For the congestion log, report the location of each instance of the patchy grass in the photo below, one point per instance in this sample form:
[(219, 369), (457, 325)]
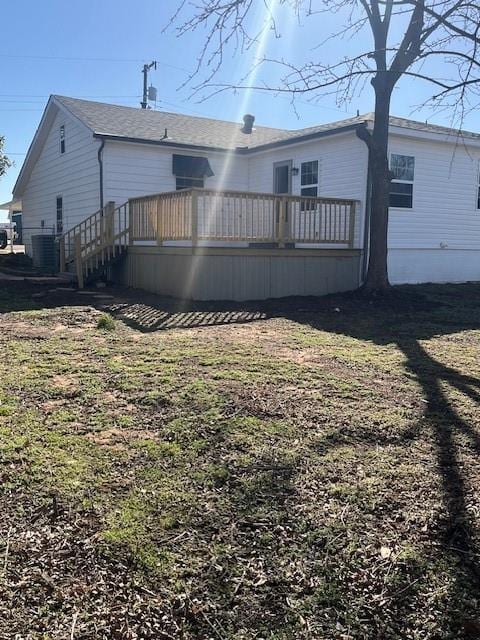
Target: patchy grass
[(240, 473), (106, 322)]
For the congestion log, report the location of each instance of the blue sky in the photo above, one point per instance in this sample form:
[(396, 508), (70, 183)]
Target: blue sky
[(95, 49)]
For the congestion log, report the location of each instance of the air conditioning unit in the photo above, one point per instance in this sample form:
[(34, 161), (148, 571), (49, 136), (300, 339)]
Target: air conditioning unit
[(44, 253)]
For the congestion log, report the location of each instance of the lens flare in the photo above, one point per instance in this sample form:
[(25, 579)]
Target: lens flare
[(266, 18)]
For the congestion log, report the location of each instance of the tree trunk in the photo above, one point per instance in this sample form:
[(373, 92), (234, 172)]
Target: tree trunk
[(377, 274)]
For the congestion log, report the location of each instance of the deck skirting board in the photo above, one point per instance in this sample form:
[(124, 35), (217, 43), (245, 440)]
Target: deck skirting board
[(239, 274)]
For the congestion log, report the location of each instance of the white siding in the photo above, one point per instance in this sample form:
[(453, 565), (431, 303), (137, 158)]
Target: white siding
[(414, 266), (444, 198), (343, 161), (74, 175), (438, 240), (132, 170)]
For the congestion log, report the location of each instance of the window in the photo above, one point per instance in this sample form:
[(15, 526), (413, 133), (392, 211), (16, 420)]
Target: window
[(310, 191), (62, 139), (184, 182), (309, 178), (309, 182), (190, 171), (401, 186), (59, 214)]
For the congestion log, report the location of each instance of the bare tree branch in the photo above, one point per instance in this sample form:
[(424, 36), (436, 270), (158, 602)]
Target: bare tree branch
[(438, 45)]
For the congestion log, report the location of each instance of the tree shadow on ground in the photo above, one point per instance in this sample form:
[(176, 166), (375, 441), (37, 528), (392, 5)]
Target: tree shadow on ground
[(406, 324), (456, 533)]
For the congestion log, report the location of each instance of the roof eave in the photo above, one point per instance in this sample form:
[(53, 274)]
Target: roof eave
[(434, 136), (238, 150), (309, 136), (11, 204), (165, 143)]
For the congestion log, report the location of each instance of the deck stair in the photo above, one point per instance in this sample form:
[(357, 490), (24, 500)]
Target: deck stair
[(95, 244)]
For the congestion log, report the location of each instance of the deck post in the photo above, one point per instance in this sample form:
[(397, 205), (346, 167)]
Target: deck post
[(109, 228), (194, 218), (78, 260), (161, 213), (282, 223), (109, 209), (351, 228), (130, 223), (62, 265)]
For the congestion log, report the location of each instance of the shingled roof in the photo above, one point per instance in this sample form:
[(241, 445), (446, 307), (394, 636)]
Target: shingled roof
[(143, 124), (131, 123)]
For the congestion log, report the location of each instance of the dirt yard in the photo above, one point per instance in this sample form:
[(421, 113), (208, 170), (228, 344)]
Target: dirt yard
[(305, 469)]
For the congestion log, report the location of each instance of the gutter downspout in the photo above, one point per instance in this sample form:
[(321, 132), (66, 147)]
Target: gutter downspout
[(100, 165)]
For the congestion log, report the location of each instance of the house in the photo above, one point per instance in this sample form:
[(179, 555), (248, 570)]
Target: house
[(246, 211)]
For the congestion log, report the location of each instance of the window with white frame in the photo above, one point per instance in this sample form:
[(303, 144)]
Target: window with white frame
[(62, 139), (308, 183), (401, 186), (309, 178), (190, 171)]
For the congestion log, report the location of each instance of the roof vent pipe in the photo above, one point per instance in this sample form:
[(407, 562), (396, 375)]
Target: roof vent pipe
[(248, 121)]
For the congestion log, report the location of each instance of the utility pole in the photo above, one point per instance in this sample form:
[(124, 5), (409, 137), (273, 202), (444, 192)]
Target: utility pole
[(145, 70)]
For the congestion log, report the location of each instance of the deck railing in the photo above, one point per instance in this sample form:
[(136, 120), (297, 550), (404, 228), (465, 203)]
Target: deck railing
[(238, 216)]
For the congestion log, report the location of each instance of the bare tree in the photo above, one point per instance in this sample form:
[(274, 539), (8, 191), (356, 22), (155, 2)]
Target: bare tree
[(431, 31), (5, 162)]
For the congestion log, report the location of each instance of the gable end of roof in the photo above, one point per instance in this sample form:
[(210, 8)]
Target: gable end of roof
[(52, 108)]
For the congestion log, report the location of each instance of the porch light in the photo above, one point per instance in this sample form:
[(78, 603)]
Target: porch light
[(295, 171)]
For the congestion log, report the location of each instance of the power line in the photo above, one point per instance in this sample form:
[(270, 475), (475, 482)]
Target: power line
[(83, 59), (26, 95), (42, 102), (24, 104)]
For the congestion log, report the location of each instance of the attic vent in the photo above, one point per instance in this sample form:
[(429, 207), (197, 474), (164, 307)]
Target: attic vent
[(248, 121)]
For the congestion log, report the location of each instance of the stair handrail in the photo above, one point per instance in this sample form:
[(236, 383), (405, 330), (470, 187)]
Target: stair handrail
[(96, 241), (67, 240)]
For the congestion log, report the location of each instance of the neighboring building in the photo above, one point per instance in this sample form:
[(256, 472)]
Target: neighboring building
[(17, 220), (14, 209), (86, 154)]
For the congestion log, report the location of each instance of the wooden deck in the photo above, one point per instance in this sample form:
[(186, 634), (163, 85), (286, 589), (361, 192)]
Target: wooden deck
[(197, 217)]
